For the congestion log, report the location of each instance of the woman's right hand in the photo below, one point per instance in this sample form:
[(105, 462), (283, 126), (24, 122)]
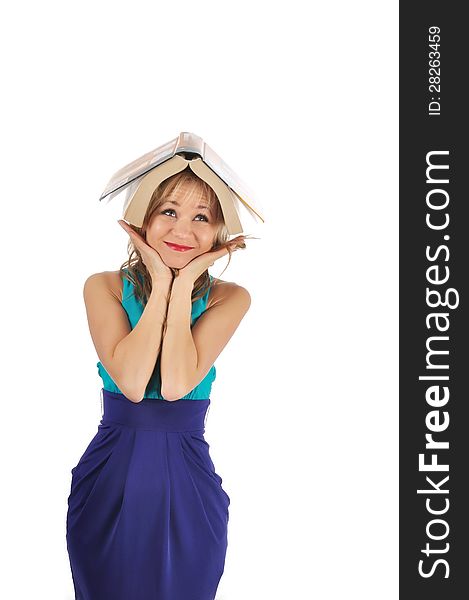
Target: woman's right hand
[(154, 263)]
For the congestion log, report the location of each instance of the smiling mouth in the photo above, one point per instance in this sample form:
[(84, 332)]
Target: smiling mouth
[(178, 248)]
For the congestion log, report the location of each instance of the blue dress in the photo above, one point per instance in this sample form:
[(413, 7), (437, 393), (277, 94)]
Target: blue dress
[(147, 515)]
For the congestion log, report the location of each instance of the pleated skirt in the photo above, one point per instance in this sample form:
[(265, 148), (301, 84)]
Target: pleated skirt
[(147, 515)]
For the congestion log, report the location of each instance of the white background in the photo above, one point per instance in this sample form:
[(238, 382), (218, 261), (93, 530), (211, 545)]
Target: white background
[(301, 100)]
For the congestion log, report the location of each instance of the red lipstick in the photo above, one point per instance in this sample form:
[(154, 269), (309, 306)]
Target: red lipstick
[(177, 247)]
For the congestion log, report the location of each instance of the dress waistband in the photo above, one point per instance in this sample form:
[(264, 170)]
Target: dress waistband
[(154, 413)]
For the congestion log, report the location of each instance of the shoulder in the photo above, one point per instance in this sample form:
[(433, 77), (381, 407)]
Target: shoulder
[(223, 291), (109, 280)]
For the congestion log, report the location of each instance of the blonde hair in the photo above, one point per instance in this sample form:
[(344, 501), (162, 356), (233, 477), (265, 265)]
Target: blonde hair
[(137, 272)]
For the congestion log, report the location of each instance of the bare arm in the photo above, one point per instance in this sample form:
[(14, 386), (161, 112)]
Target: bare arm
[(137, 353), (187, 355), (178, 354), (183, 358), (128, 355)]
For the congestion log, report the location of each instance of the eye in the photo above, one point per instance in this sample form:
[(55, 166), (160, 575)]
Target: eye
[(167, 210), (173, 211)]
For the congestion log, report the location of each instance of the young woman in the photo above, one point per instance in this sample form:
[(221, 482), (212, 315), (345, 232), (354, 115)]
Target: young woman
[(147, 515)]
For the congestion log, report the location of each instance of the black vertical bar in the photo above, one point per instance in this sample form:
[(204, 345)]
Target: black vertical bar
[(434, 541)]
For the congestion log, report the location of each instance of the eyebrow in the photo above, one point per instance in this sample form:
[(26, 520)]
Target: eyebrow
[(199, 206)]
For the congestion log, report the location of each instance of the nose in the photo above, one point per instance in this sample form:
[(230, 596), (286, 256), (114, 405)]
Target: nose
[(182, 229)]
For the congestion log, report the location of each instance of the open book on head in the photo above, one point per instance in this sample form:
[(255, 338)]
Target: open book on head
[(139, 179)]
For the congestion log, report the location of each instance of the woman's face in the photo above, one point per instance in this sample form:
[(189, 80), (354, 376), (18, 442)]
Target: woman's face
[(184, 219)]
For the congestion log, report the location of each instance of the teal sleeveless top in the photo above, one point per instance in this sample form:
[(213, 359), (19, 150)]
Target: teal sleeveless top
[(134, 310)]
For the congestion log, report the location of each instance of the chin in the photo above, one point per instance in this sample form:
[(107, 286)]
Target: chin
[(177, 264)]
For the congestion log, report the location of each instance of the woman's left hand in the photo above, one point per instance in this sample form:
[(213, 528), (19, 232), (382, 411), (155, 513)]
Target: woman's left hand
[(194, 269)]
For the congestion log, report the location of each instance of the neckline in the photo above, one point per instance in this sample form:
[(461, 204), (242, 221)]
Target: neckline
[(210, 276), (127, 282)]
